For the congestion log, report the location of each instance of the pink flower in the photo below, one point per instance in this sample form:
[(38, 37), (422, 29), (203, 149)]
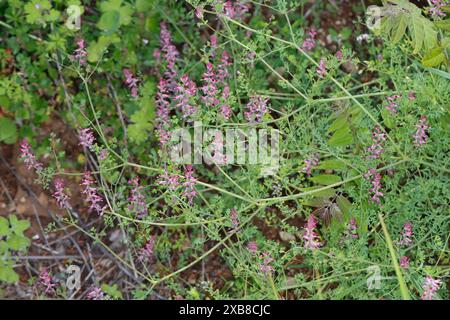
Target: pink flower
[(321, 69), (225, 109), (411, 96), (310, 164), (311, 237), (170, 54), (339, 55), (189, 184), (421, 137), (376, 149), (171, 181), (430, 287), (80, 53), (209, 87), (163, 111), (252, 247), (46, 280), (222, 67), (26, 154), (310, 42), (86, 137), (264, 265), (146, 253), (186, 91), (406, 235), (199, 12), (131, 81), (392, 106), (256, 109), (96, 293), (137, 199), (436, 8), (234, 218), (352, 229), (375, 180), (219, 158), (235, 9), (91, 193), (404, 262), (62, 199)]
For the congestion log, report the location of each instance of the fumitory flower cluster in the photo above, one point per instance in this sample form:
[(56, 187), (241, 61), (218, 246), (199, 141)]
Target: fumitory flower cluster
[(393, 105), (27, 155), (310, 236), (137, 199), (91, 193), (131, 81), (406, 235), (421, 137), (62, 199), (375, 179), (430, 286), (256, 109), (376, 149)]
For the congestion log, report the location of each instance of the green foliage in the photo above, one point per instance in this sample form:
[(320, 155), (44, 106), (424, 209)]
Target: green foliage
[(11, 239)]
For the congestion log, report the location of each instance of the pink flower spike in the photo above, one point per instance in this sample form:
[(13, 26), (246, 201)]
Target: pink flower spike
[(430, 287), (421, 137), (310, 42), (96, 293), (252, 247), (62, 199), (80, 52), (131, 81), (26, 154), (375, 179), (406, 235), (137, 199), (376, 149), (86, 137), (46, 280), (311, 237), (146, 252), (189, 184), (321, 69), (91, 193), (234, 218), (310, 164), (264, 265), (393, 106), (404, 262), (199, 12), (256, 109)]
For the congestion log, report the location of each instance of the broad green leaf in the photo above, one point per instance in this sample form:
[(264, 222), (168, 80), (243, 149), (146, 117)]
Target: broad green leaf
[(17, 242), (433, 58), (325, 179), (8, 131), (344, 204), (327, 193), (4, 227), (109, 22), (341, 137), (387, 118), (18, 226), (7, 274), (331, 165), (338, 123)]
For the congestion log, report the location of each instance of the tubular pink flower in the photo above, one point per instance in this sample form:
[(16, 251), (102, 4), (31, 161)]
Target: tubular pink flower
[(96, 293), (86, 137), (404, 262), (26, 154), (62, 199), (264, 265), (430, 287), (209, 87), (352, 229), (80, 52), (171, 181), (189, 184), (91, 193), (252, 247), (310, 42), (421, 137), (222, 67), (163, 111), (376, 149), (146, 252), (219, 158), (46, 280), (186, 91), (392, 106), (375, 179), (311, 237), (137, 199), (310, 164), (436, 8), (131, 81), (321, 69), (339, 55), (406, 235), (256, 109), (170, 54)]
